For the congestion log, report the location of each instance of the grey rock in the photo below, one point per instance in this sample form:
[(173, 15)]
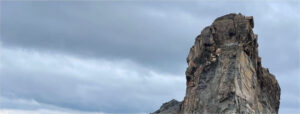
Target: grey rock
[(171, 107), (225, 74)]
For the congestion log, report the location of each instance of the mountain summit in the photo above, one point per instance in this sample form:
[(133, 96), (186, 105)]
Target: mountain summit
[(225, 74)]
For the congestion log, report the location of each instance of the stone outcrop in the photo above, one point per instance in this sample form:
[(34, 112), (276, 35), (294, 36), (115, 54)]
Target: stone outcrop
[(225, 74), (171, 107)]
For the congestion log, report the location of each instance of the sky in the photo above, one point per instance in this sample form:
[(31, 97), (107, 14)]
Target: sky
[(126, 57)]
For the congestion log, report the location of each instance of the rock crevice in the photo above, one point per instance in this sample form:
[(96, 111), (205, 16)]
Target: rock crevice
[(225, 74)]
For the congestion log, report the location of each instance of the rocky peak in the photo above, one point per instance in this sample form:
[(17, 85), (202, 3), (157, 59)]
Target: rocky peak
[(224, 73)]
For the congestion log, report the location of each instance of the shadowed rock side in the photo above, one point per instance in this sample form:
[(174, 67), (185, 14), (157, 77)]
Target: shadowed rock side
[(224, 73), (171, 107)]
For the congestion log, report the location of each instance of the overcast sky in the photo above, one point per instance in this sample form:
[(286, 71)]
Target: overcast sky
[(126, 57)]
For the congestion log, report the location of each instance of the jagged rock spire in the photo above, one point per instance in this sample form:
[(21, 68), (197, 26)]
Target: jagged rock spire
[(224, 73)]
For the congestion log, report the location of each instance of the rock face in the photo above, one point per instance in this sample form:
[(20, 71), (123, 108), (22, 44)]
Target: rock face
[(225, 74), (171, 107)]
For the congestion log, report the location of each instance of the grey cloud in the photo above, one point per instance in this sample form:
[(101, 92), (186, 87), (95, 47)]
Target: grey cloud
[(154, 35), (86, 85), (290, 91), (124, 32)]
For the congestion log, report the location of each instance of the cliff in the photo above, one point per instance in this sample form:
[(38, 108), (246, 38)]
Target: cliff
[(225, 74)]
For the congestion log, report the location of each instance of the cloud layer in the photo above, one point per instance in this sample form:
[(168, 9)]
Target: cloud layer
[(126, 56), (83, 84)]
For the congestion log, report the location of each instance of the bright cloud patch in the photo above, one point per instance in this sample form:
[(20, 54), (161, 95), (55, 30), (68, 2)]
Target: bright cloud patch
[(84, 84)]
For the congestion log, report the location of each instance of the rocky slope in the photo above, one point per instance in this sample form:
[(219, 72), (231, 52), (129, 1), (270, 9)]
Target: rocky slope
[(225, 74)]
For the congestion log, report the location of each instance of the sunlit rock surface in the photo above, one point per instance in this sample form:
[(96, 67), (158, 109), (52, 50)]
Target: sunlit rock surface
[(224, 73)]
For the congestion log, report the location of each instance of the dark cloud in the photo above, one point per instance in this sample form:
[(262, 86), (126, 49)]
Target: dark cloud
[(154, 36), (129, 31)]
